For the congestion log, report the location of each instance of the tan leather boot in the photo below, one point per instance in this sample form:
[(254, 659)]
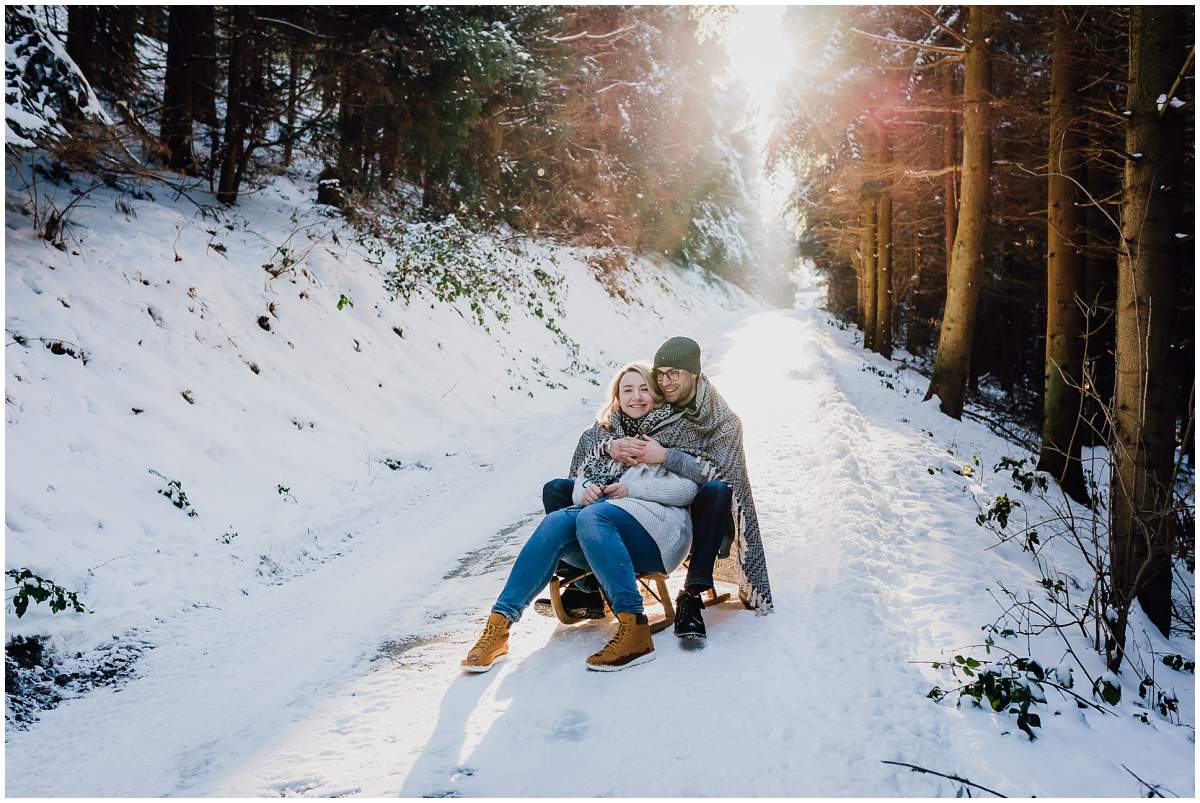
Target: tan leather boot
[(491, 647), (629, 647)]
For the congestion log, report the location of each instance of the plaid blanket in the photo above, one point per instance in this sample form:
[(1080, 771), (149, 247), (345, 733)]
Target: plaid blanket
[(712, 433)]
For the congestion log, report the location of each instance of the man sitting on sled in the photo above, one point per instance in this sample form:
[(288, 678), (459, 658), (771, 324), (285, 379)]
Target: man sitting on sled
[(701, 440)]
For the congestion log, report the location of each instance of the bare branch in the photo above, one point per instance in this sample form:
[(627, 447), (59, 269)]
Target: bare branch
[(949, 51), (941, 171), (955, 778), (1154, 789), (930, 109), (313, 34), (1174, 89), (616, 84), (933, 18)]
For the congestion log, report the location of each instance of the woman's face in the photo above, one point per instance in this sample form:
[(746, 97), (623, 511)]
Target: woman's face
[(634, 395)]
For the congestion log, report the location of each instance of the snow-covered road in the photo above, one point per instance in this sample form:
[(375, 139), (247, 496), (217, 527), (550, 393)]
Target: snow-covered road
[(345, 681)]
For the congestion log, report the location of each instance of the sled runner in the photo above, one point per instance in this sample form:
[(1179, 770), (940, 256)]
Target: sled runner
[(654, 590)]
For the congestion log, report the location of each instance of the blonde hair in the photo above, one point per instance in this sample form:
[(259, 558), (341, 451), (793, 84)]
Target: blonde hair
[(613, 403)]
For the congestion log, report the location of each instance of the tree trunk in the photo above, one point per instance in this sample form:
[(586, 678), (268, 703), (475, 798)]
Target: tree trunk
[(1102, 299), (883, 258), (124, 70), (176, 130), (870, 276), (1147, 286), (100, 41), (915, 333), (254, 96), (204, 65), (83, 40), (883, 286), (235, 126), (293, 69), (152, 20), (389, 153), (860, 309), (121, 78), (952, 366), (490, 138), (1066, 270), (350, 132), (204, 80), (949, 163)]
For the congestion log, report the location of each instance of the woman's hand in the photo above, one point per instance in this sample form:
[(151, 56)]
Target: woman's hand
[(625, 451), (618, 490), (591, 493)]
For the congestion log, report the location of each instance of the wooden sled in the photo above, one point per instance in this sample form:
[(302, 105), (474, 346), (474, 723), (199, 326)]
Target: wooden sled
[(653, 586)]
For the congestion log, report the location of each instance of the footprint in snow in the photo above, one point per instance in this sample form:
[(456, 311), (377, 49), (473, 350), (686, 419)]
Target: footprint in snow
[(572, 726)]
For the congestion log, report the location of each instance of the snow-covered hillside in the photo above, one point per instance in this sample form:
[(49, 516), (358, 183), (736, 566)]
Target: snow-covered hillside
[(158, 348), (316, 651)]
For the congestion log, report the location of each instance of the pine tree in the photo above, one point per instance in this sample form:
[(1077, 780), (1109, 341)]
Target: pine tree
[(952, 366), (1148, 281), (1066, 268)]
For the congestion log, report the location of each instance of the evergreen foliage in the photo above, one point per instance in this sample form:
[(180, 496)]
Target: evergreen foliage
[(590, 124)]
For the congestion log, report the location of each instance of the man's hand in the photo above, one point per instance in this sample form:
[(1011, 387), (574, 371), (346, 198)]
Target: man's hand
[(591, 493), (626, 451), (652, 451), (618, 490)]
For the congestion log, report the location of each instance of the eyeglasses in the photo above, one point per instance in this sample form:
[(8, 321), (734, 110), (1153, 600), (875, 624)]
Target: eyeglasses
[(670, 374)]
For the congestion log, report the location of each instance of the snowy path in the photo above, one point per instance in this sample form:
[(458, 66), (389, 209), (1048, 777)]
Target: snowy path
[(345, 681)]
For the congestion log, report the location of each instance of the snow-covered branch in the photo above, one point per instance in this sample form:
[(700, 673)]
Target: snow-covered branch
[(586, 35), (43, 87)]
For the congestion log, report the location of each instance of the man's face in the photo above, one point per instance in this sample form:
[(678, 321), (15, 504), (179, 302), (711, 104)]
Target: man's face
[(677, 385)]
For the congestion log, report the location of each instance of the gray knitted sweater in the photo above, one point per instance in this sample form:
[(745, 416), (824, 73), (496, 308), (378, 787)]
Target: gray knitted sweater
[(658, 500)]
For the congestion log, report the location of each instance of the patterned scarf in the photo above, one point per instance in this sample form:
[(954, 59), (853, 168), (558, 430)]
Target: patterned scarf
[(712, 433), (599, 468)]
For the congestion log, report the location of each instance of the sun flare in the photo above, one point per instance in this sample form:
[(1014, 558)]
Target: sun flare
[(759, 52)]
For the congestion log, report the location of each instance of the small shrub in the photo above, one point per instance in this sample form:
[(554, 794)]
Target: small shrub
[(609, 268), (1012, 685), (998, 510), (1154, 696), (451, 261), (30, 586), (1107, 688), (1024, 479), (175, 494), (1179, 663)]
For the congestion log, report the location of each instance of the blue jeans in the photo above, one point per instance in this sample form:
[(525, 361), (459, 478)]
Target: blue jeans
[(600, 536), (712, 524)]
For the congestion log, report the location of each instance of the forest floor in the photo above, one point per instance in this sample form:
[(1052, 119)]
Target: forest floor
[(316, 652)]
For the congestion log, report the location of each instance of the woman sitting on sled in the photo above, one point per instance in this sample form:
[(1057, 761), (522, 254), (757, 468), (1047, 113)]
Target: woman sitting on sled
[(624, 522)]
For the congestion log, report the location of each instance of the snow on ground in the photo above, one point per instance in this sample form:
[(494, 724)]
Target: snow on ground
[(368, 407), (340, 676)]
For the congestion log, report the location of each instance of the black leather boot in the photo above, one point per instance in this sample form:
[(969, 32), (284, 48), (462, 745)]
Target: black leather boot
[(689, 622)]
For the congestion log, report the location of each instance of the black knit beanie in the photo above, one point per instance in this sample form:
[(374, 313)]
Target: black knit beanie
[(679, 352)]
